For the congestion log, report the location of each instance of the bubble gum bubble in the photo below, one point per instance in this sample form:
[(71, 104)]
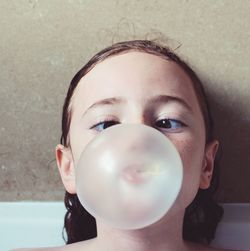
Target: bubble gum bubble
[(129, 176)]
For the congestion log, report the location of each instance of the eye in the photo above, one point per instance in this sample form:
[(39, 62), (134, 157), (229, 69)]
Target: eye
[(170, 124), (104, 125)]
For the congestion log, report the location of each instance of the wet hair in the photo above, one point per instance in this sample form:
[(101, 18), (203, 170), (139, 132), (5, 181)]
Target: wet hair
[(203, 214)]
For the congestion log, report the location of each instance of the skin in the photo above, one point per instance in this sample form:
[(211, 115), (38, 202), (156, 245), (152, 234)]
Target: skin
[(129, 88)]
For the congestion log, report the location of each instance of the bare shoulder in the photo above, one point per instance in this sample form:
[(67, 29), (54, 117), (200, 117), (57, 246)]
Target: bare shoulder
[(79, 246), (41, 249), (198, 247), (219, 249)]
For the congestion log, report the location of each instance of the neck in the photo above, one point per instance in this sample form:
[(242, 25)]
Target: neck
[(165, 235)]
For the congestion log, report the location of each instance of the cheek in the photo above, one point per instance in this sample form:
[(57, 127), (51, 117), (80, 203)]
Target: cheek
[(192, 157), (191, 152), (79, 138)]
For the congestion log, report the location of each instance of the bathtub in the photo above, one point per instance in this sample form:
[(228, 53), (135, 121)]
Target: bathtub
[(39, 224)]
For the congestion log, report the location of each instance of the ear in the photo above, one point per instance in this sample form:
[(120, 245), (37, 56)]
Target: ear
[(66, 168), (208, 164)]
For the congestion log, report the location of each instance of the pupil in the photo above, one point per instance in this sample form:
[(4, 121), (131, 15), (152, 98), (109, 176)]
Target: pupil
[(163, 123), (108, 124)]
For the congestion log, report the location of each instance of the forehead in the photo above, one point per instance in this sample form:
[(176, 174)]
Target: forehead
[(135, 75)]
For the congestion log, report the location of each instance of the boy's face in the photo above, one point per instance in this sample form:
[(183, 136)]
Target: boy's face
[(137, 87)]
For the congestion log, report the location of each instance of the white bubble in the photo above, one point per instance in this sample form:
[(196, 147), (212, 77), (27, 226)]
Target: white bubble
[(129, 176)]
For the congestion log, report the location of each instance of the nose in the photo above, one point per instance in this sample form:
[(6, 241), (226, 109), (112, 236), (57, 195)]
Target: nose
[(137, 143), (138, 117)]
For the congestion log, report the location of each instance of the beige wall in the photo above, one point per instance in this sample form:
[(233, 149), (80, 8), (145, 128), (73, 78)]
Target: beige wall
[(43, 43)]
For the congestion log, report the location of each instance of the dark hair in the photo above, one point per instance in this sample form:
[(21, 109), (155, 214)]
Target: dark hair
[(203, 214)]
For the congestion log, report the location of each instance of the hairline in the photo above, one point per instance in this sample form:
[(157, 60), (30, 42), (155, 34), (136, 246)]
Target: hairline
[(109, 53)]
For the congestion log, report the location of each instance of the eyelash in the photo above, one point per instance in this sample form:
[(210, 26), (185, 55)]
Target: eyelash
[(111, 121), (168, 120), (177, 124)]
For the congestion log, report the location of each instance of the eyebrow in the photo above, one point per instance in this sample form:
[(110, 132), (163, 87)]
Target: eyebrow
[(167, 98), (156, 99), (105, 102)]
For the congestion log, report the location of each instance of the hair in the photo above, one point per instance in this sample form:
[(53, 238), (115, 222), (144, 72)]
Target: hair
[(203, 214)]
